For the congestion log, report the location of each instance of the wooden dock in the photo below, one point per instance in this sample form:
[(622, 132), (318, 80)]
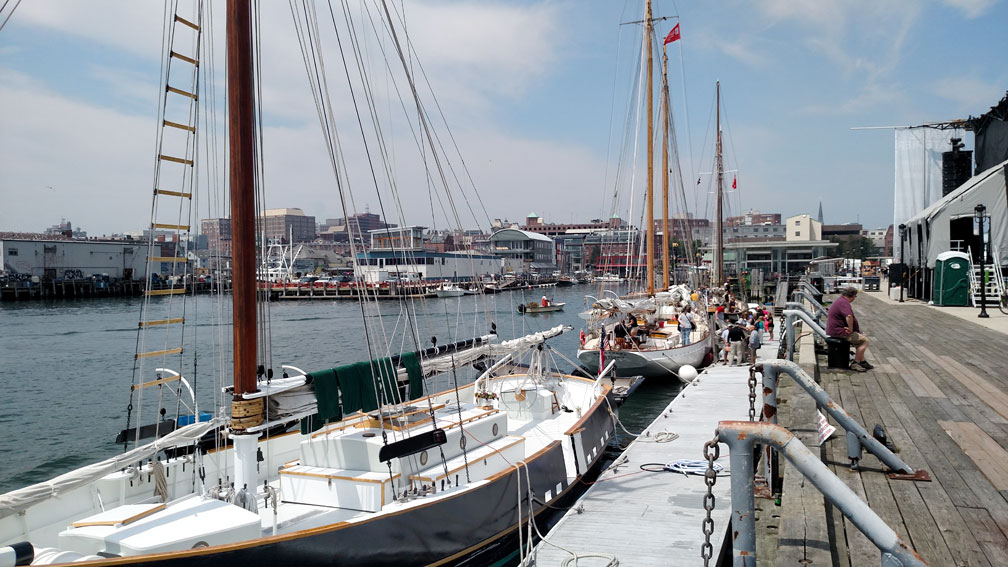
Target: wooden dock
[(940, 390), (654, 518)]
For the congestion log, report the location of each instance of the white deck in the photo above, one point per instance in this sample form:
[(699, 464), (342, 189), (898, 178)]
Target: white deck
[(654, 518)]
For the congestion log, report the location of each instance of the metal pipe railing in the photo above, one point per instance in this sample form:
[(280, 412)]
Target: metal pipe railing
[(857, 436), (789, 320), (801, 307), (819, 308), (741, 436)]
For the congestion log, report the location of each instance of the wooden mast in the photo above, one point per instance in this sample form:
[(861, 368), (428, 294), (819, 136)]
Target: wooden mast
[(650, 148), (718, 264), (241, 168), (665, 168)]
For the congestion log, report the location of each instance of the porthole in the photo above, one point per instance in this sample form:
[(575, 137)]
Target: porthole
[(462, 442), (496, 429), (423, 459)]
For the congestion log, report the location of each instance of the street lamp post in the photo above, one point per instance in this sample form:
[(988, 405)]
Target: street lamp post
[(903, 270), (979, 213)]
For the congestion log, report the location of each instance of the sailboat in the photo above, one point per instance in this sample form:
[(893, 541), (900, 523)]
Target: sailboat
[(661, 350), (381, 471)]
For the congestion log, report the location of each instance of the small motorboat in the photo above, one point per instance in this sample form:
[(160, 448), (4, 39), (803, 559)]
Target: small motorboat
[(536, 307)]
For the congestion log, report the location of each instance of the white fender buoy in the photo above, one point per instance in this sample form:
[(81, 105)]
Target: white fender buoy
[(687, 373)]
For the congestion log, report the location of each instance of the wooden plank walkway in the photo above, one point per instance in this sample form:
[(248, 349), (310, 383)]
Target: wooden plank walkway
[(654, 518), (939, 389)]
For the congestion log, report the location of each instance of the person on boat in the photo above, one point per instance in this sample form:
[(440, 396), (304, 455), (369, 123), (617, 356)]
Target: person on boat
[(736, 340), (841, 323), (719, 312), (686, 325), (545, 302)]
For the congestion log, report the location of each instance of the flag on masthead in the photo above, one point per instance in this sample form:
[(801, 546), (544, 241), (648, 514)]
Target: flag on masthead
[(672, 35)]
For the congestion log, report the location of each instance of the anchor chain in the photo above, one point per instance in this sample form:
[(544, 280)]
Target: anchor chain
[(712, 450), (752, 393)]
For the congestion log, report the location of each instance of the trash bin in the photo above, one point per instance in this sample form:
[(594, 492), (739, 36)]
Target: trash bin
[(872, 283), (838, 353), (950, 284)]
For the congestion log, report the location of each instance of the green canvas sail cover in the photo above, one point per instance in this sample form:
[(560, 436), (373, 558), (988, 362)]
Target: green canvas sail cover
[(412, 363), (356, 383)]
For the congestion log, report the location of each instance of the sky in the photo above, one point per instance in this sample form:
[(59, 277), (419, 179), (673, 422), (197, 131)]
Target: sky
[(539, 97)]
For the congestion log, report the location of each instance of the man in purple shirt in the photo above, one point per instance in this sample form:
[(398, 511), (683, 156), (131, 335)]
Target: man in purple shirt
[(841, 323)]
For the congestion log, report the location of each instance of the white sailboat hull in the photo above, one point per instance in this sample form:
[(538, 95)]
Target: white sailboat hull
[(650, 363), (327, 506)]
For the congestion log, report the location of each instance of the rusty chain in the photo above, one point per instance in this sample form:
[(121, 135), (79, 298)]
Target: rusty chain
[(712, 450), (752, 393)]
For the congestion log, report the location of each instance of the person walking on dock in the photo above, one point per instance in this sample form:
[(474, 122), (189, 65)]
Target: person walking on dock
[(841, 323), (737, 340)]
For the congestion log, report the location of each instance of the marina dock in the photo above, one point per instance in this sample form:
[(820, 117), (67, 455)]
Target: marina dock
[(940, 391), (654, 518)]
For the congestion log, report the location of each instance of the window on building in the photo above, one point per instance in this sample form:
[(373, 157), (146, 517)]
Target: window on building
[(12, 252), (797, 233)]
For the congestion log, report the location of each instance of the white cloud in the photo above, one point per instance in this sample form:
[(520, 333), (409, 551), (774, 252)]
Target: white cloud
[(971, 8), (970, 94), (98, 161)]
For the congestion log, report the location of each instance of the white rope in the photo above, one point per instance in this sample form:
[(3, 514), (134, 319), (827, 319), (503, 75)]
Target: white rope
[(574, 557), (692, 466)]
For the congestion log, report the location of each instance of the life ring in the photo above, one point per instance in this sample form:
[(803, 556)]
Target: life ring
[(582, 338)]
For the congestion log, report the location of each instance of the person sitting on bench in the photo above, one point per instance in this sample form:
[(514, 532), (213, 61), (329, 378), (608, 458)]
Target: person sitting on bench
[(841, 323)]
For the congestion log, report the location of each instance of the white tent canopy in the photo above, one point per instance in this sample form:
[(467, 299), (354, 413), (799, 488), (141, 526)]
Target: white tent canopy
[(931, 232)]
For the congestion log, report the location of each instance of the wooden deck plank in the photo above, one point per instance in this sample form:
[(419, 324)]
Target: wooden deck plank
[(988, 456)]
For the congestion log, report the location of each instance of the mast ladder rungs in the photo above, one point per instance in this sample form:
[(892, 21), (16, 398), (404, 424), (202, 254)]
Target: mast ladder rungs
[(155, 322), (183, 161), (177, 55), (167, 352), (169, 291), (173, 193), (184, 21), (172, 259), (157, 382), (184, 227), (180, 126), (172, 89)]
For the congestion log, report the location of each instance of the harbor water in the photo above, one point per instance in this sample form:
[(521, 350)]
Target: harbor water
[(67, 364)]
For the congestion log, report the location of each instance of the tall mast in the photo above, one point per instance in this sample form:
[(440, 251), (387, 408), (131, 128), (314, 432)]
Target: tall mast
[(718, 263), (650, 149), (241, 168), (665, 167)]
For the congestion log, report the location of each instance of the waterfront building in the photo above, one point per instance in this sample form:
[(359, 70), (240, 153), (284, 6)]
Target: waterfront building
[(73, 259), (398, 254), (523, 251), (218, 234), (614, 251), (286, 225)]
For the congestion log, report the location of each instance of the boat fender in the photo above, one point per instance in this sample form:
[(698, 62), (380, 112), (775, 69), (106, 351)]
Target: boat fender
[(20, 553), (582, 338)]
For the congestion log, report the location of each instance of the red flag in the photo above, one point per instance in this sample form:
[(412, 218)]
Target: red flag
[(734, 183), (672, 35)]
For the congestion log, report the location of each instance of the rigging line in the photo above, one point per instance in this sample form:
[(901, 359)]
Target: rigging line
[(18, 3), (139, 363), (376, 123), (420, 111), (328, 124), (682, 72)]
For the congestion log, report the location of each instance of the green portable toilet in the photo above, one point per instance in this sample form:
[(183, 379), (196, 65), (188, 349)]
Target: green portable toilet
[(950, 285)]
